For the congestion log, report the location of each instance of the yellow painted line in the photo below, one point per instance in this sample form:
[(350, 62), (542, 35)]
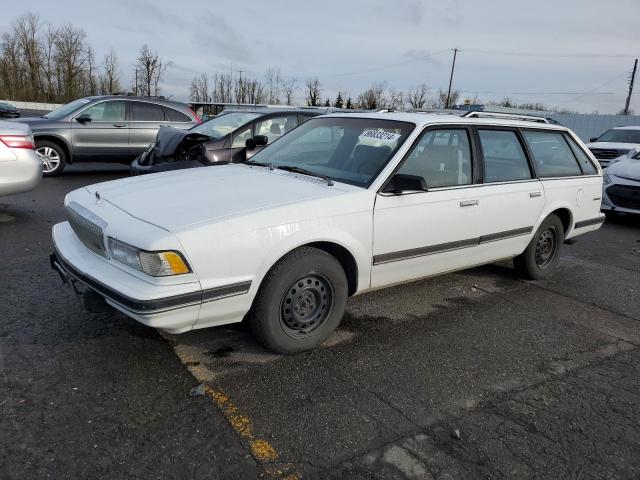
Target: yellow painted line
[(261, 449)]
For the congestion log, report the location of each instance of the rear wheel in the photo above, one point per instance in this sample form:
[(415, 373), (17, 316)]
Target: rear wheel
[(52, 156), (543, 252), (300, 302)]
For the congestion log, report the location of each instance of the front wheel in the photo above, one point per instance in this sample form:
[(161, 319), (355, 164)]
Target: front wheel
[(300, 302), (543, 252), (52, 156)]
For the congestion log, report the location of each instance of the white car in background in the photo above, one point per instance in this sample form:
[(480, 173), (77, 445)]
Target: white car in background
[(615, 144), (341, 205), (621, 189), (20, 167)]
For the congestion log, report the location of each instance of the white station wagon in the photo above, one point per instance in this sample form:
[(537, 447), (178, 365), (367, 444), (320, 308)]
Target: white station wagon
[(341, 205)]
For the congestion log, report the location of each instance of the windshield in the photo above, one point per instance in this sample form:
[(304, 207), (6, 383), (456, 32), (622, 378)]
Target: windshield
[(349, 150), (221, 125), (621, 136), (65, 110)]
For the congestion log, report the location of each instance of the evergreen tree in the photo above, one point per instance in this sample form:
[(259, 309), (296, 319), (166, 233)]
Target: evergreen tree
[(349, 104), (339, 101), (327, 103)]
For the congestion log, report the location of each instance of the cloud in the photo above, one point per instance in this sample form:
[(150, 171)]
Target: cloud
[(221, 38)]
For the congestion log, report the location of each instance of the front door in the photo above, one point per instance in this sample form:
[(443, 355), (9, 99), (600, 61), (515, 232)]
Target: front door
[(422, 233), (104, 136)]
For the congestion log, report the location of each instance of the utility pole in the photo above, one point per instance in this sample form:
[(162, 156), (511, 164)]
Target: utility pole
[(453, 66), (631, 81)]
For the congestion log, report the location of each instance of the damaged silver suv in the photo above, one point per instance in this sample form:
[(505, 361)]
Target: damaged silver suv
[(233, 136)]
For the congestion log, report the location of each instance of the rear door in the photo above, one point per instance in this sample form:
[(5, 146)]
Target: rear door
[(177, 119), (106, 136), (146, 118), (510, 199)]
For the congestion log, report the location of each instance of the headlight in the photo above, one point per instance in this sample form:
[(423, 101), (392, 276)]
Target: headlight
[(156, 264), (606, 179)]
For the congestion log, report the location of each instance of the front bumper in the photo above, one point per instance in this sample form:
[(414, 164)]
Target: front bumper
[(138, 169), (175, 308), (621, 195)]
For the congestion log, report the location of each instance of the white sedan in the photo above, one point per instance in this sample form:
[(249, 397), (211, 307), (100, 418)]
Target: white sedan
[(341, 205), (20, 167)]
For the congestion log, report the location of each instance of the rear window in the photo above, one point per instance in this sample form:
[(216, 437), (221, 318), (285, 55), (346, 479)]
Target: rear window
[(175, 116), (146, 112), (552, 155), (583, 158)]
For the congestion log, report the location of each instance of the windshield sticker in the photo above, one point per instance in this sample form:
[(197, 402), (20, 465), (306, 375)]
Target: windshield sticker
[(380, 135)]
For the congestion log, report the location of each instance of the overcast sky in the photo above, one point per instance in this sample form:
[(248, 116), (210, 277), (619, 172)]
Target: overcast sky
[(576, 54)]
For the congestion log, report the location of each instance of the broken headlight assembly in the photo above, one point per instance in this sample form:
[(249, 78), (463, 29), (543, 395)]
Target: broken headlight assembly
[(157, 264)]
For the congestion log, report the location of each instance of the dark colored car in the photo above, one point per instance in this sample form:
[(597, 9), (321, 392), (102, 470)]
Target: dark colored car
[(8, 111), (230, 137), (109, 128)]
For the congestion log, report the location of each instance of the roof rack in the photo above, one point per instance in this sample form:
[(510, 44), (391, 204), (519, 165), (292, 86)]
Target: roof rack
[(509, 116)]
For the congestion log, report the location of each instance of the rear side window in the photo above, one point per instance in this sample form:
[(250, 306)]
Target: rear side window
[(175, 116), (441, 157), (552, 155), (504, 157), (146, 112), (583, 159)]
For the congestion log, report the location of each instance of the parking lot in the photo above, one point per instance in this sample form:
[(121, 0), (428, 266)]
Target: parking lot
[(475, 374)]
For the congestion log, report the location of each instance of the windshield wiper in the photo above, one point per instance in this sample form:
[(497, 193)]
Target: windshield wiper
[(289, 168), (259, 164)]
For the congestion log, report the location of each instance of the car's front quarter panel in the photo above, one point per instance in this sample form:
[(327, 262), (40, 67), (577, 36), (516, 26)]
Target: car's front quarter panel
[(244, 248)]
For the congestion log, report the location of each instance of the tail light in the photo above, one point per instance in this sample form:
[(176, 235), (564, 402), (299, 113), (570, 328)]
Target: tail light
[(18, 141), (194, 114)]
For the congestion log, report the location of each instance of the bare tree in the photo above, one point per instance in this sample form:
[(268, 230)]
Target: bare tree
[(273, 84), (441, 99), (289, 87), (417, 96), (313, 92), (149, 71), (200, 89), (110, 79), (26, 30), (71, 59)]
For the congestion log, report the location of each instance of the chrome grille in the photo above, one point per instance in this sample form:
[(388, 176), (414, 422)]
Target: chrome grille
[(88, 227), (607, 153)]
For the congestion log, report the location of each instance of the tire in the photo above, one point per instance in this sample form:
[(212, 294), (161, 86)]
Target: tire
[(53, 157), (300, 303), (543, 252)]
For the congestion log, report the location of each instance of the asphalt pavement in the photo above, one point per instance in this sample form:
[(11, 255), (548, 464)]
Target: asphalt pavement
[(475, 374)]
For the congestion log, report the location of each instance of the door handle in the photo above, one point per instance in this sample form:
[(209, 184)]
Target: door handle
[(535, 194), (118, 125), (468, 203)]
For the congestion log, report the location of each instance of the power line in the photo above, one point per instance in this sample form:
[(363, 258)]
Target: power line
[(549, 55)]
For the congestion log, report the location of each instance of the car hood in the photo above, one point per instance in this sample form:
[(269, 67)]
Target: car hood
[(627, 168), (613, 146), (178, 199)]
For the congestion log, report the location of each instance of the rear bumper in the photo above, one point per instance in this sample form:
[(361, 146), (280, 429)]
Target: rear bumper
[(20, 175)]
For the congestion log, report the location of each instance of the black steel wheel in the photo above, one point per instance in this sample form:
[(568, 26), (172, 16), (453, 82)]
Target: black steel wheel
[(300, 302), (546, 247), (306, 304), (543, 252)]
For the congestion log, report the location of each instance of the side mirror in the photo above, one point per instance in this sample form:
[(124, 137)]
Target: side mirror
[(84, 118), (593, 139), (257, 141), (405, 183)]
